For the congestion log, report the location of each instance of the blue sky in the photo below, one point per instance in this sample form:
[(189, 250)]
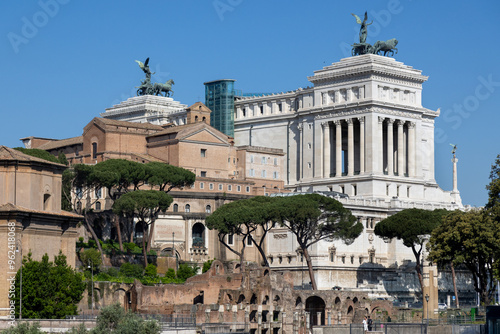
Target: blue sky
[(64, 61)]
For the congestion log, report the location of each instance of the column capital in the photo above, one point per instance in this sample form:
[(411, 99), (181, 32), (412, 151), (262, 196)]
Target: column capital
[(411, 125), (381, 119), (400, 122), (325, 124), (390, 121), (300, 126), (349, 121), (361, 119), (338, 122)]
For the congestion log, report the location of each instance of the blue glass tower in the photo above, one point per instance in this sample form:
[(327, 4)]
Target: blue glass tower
[(219, 97)]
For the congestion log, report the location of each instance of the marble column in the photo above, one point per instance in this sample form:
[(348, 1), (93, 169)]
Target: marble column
[(361, 145), (390, 147), (401, 156), (350, 147), (381, 144), (411, 149), (338, 148), (326, 149), (455, 177), (300, 126)]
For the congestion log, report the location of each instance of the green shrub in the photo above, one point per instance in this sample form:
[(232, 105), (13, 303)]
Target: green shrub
[(170, 274), (131, 270), (151, 271), (91, 257), (92, 243), (207, 265), (185, 271)]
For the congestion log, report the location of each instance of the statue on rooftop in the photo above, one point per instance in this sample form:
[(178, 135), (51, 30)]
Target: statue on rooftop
[(387, 47), (363, 30), (148, 88)]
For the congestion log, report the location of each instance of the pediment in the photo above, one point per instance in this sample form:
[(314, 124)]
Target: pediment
[(204, 135)]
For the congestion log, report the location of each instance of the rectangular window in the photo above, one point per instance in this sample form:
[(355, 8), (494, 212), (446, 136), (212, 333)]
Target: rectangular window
[(249, 242), (251, 159), (262, 110), (229, 187), (203, 153), (202, 185), (280, 108), (220, 186), (275, 175), (252, 172), (264, 174), (203, 174), (230, 239), (211, 186), (263, 160), (238, 188), (248, 189), (276, 161)]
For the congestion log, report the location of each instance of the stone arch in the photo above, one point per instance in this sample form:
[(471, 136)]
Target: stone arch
[(253, 300), (266, 272), (229, 298), (298, 302), (337, 300), (350, 310), (277, 298), (266, 300), (253, 316), (316, 307), (241, 298), (355, 300), (120, 295), (199, 299)]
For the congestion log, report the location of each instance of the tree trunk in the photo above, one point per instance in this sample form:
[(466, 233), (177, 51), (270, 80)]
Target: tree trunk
[(92, 232), (150, 237), (144, 252), (453, 276), (418, 269), (116, 219), (309, 267), (261, 251)]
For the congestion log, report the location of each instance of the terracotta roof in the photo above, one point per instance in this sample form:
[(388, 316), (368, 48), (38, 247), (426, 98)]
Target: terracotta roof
[(61, 143), (10, 154), (146, 157), (137, 125), (9, 207), (185, 130)]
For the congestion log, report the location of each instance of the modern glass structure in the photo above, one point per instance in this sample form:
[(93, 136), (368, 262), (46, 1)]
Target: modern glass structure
[(219, 97)]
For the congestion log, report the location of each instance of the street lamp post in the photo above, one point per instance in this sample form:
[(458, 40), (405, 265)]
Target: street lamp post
[(91, 266), (427, 302)]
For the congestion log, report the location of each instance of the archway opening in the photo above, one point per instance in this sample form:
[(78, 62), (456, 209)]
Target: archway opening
[(316, 308), (198, 235)]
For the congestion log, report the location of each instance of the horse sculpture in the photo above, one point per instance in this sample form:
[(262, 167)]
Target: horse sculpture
[(159, 88), (386, 47)]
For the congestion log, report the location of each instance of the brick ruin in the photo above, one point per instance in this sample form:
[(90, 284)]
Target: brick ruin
[(256, 299)]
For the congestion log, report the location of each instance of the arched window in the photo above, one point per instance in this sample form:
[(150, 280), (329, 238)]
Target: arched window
[(94, 150), (98, 192), (46, 202), (98, 205), (176, 207), (208, 209), (188, 208)]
